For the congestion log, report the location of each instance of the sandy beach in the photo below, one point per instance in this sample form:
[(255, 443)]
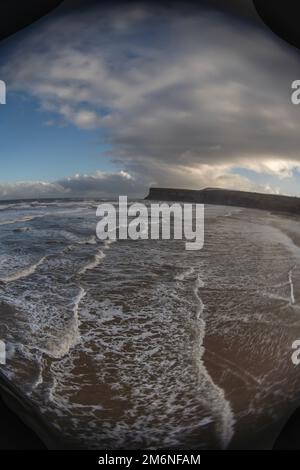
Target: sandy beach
[(152, 346)]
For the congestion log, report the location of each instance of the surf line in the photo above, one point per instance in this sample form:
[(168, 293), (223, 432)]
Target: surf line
[(221, 408), (72, 335), (27, 218), (26, 272), (92, 264), (292, 296)]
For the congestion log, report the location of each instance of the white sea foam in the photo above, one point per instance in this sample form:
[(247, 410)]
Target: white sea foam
[(39, 380), (182, 276), (85, 241), (88, 241), (92, 264), (221, 408), (62, 345), (144, 335), (26, 218), (107, 243), (284, 291), (15, 206), (23, 273), (6, 206), (292, 296), (112, 329)]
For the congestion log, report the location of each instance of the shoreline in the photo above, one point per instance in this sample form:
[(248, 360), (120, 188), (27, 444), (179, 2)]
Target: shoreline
[(44, 435)]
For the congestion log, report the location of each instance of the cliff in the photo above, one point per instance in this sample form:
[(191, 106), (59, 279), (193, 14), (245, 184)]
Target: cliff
[(225, 197)]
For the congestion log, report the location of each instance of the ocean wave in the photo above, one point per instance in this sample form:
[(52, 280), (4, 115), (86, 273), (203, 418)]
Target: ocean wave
[(107, 243), (88, 241), (6, 207), (17, 206), (92, 264), (27, 218), (22, 273), (59, 349), (85, 241), (182, 276)]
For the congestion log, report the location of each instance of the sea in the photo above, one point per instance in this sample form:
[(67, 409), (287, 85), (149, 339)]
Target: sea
[(142, 344)]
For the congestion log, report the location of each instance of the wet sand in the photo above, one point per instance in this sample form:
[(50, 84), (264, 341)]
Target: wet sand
[(241, 387), (247, 371)]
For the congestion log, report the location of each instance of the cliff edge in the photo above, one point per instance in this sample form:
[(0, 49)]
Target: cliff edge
[(227, 197)]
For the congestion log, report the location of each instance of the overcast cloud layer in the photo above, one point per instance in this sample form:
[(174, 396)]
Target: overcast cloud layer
[(184, 99)]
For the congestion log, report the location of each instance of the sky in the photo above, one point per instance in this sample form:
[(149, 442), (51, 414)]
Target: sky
[(110, 101)]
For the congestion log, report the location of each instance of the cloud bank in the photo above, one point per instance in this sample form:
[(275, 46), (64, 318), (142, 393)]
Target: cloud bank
[(99, 184), (184, 99)]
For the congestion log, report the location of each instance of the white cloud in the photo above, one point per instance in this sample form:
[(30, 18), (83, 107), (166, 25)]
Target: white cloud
[(182, 98), (31, 189), (98, 184), (104, 184)]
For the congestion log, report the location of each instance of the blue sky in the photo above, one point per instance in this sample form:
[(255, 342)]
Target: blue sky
[(120, 99), (34, 146)]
